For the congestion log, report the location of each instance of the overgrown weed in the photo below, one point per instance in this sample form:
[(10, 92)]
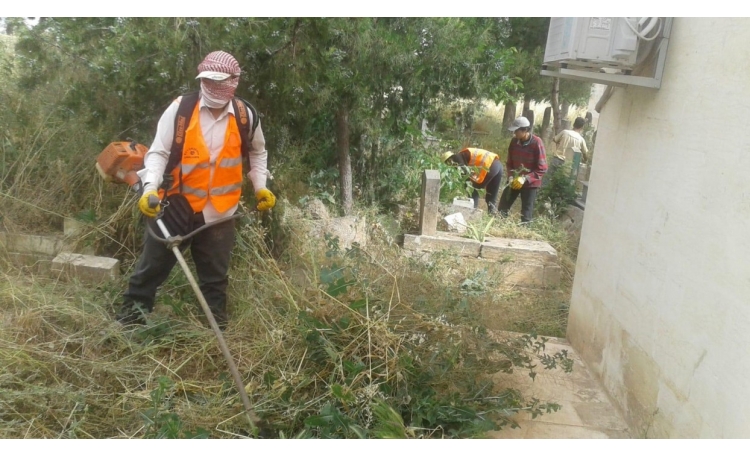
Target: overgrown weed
[(371, 345)]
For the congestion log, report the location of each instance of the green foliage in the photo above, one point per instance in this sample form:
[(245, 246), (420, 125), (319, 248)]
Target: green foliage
[(120, 74), (558, 192), (439, 380), (529, 36), (159, 421), (480, 230)]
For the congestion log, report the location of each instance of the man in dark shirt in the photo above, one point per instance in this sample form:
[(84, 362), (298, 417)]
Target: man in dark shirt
[(526, 165)]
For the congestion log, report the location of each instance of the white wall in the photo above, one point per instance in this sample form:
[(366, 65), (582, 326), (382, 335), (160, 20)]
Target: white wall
[(661, 299)]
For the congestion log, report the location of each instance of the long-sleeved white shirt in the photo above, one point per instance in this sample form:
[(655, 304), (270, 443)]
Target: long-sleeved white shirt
[(214, 130)]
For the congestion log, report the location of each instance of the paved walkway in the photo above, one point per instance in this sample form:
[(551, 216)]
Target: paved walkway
[(586, 410)]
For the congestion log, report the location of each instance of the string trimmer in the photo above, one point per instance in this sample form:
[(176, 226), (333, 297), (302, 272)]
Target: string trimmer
[(118, 163)]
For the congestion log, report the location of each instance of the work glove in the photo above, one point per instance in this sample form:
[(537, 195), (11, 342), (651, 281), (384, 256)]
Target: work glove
[(143, 204), (266, 200), (517, 182)]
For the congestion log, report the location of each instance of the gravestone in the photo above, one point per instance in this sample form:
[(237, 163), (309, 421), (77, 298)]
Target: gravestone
[(428, 205)]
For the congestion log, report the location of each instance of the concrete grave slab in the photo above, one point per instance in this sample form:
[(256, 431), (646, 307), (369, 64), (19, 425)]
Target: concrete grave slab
[(86, 268), (49, 245), (463, 247), (507, 249)]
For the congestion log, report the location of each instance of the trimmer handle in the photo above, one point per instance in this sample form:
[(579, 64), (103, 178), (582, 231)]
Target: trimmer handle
[(153, 201)]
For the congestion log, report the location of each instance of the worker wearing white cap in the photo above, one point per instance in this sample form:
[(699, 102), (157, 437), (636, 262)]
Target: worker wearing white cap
[(526, 165)]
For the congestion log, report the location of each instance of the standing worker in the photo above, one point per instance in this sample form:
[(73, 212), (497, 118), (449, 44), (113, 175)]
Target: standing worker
[(526, 165), (568, 139), (200, 143), (485, 171)]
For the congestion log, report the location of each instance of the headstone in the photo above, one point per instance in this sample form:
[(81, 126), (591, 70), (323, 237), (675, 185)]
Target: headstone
[(428, 206), (575, 165)]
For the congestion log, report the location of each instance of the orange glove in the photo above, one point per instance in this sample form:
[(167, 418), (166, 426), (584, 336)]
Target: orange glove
[(266, 199)]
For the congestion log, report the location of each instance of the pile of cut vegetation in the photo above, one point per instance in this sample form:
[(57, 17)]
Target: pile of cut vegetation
[(330, 342)]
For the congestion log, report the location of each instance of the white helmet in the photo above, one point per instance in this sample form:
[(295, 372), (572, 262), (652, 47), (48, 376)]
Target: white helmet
[(520, 122)]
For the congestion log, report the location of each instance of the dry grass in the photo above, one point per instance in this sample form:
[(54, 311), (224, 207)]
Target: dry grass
[(70, 371)]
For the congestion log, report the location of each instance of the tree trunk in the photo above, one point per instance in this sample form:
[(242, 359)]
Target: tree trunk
[(372, 170), (565, 123), (509, 115), (545, 123), (555, 102), (526, 103), (345, 161), (529, 114)]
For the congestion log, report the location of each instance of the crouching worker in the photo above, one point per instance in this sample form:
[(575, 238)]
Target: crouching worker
[(201, 142), (483, 169)]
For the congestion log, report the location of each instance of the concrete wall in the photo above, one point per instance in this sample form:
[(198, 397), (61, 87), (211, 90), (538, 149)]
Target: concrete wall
[(661, 298)]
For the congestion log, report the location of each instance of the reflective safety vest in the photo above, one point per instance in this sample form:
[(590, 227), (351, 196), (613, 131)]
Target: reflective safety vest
[(480, 162), (192, 175)]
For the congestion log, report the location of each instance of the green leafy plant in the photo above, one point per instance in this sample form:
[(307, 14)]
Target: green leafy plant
[(557, 193), (159, 421), (479, 230)]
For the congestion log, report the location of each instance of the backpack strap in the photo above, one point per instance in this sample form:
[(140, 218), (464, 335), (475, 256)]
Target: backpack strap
[(181, 123), (246, 127), (242, 108)]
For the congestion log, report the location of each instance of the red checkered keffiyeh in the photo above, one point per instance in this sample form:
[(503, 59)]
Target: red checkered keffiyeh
[(219, 92)]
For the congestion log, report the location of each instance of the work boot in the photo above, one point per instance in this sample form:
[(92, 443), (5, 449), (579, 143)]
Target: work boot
[(131, 313), (221, 319), (492, 209)]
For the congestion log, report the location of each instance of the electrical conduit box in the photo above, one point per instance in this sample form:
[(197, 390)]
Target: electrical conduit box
[(591, 42)]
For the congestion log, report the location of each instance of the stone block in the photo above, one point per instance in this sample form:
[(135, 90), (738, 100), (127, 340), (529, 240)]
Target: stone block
[(28, 262), (31, 244), (85, 268), (585, 185), (572, 220), (513, 250), (463, 247), (463, 202), (552, 275), (456, 223), (348, 230), (525, 274)]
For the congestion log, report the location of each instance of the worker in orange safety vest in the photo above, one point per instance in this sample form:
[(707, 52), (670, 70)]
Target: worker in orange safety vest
[(199, 147), (483, 169)]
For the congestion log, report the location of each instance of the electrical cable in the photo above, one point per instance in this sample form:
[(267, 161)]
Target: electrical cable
[(649, 26)]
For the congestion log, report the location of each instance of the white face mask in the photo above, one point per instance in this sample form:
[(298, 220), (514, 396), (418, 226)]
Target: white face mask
[(212, 102), (216, 94)]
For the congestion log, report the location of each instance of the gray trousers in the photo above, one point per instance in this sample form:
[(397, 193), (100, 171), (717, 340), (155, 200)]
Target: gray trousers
[(211, 251), (528, 196)]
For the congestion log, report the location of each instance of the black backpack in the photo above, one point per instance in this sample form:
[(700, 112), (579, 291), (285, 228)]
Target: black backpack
[(182, 121)]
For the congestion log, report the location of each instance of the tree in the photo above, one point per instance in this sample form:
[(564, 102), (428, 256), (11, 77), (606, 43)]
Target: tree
[(372, 75), (529, 36), (330, 82)]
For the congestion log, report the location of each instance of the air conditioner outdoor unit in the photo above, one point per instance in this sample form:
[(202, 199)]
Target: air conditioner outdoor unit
[(592, 43)]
